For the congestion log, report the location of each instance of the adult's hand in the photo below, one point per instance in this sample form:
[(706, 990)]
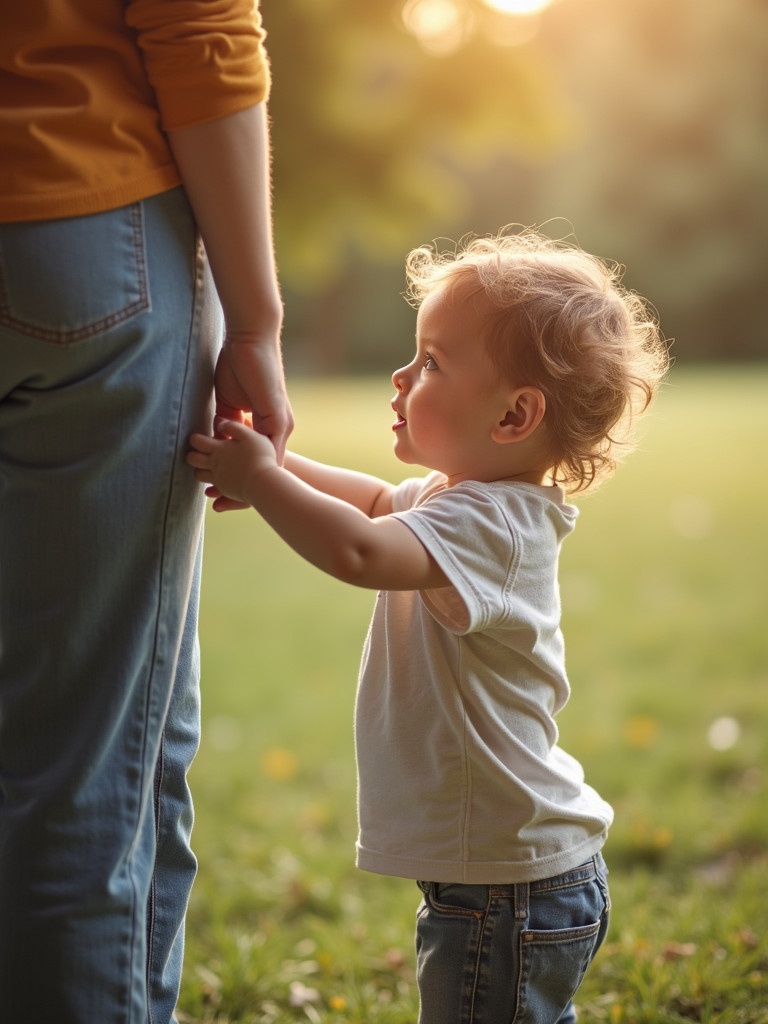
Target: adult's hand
[(250, 385)]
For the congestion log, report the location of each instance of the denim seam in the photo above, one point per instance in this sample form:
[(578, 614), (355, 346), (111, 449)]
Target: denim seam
[(194, 322), (152, 908), (138, 221), (483, 922), (162, 587)]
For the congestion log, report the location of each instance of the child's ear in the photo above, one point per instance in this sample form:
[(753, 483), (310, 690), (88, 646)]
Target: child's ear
[(526, 410)]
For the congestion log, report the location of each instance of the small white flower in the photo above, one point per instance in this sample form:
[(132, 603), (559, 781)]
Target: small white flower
[(300, 994)]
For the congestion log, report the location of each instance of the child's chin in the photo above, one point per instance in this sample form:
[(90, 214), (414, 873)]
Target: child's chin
[(402, 454)]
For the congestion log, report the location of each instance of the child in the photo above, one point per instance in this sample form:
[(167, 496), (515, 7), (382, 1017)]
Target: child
[(531, 364)]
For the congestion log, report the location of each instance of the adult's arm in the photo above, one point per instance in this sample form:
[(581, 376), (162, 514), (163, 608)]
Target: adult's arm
[(224, 165), (206, 62)]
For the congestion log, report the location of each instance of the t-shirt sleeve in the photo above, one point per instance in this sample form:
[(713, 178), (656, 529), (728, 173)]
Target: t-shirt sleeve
[(407, 492), (473, 540), (204, 58)]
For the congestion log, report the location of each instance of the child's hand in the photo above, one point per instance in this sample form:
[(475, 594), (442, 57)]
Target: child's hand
[(230, 462)]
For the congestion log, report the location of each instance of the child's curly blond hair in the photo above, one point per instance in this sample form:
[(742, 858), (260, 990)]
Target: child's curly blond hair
[(560, 320)]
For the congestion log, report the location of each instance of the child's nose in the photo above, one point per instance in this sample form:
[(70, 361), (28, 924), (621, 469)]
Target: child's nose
[(398, 378)]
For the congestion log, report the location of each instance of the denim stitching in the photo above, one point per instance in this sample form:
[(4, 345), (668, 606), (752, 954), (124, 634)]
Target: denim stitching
[(483, 919)]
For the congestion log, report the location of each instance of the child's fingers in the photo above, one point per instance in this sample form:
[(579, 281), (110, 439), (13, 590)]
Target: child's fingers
[(200, 460), (224, 428), (225, 504), (202, 442)]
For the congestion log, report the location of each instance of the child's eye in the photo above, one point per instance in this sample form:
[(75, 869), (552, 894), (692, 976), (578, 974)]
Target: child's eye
[(429, 363)]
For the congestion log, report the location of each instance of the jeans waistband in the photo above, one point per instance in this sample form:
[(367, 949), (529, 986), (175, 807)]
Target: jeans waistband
[(520, 892)]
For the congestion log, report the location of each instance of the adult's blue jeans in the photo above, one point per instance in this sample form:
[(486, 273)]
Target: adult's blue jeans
[(108, 330), (509, 954)]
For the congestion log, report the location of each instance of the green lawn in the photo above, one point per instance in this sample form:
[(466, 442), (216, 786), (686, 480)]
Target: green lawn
[(666, 621)]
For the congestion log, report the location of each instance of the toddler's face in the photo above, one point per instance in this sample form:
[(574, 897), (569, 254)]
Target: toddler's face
[(449, 396)]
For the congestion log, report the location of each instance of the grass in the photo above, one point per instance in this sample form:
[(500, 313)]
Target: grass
[(665, 618)]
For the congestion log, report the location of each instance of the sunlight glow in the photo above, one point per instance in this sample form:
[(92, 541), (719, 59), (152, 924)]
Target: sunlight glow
[(441, 26), (518, 6)]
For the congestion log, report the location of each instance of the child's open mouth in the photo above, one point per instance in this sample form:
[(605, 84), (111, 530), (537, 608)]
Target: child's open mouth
[(400, 421)]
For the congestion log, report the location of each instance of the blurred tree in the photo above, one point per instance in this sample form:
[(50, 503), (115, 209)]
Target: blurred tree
[(374, 139), (642, 123), (668, 168)]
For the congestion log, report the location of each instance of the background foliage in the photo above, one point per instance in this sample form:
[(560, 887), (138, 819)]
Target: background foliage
[(640, 126)]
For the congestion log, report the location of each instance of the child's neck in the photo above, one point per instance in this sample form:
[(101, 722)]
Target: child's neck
[(532, 476)]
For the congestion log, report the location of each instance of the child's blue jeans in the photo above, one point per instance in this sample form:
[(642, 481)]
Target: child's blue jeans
[(509, 954)]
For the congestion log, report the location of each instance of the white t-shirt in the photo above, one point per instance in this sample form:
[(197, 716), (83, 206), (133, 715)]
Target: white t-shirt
[(460, 778)]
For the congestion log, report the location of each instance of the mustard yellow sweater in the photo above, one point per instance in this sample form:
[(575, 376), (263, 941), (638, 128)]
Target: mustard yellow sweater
[(87, 88)]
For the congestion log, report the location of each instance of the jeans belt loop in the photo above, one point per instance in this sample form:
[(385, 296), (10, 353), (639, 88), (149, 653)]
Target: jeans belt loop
[(522, 892)]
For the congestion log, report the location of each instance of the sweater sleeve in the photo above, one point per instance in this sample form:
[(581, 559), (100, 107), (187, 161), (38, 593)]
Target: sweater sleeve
[(204, 58)]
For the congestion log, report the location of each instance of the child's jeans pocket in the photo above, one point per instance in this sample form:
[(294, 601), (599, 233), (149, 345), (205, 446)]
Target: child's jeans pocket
[(509, 954)]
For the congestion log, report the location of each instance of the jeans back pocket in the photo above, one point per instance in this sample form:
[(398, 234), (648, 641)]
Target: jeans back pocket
[(63, 281)]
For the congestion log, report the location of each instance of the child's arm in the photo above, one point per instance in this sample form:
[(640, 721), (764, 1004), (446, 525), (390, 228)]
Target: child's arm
[(321, 512), (368, 493)]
